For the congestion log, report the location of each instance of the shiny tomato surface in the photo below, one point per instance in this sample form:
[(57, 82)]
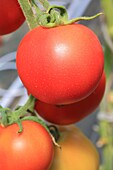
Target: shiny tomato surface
[(72, 113), (11, 16), (30, 150), (60, 65)]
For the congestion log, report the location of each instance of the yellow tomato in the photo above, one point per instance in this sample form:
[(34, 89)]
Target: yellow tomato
[(76, 153)]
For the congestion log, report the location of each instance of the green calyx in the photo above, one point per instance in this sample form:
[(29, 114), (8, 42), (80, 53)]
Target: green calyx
[(48, 16), (26, 112), (55, 15)]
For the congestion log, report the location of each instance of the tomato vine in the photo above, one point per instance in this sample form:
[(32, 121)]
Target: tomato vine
[(51, 16)]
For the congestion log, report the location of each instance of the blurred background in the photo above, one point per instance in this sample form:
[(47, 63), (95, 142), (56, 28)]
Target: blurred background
[(99, 125)]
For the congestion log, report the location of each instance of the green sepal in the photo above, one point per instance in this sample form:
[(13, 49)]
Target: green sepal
[(84, 18), (54, 16), (63, 19), (59, 9), (36, 119), (19, 122), (4, 114)]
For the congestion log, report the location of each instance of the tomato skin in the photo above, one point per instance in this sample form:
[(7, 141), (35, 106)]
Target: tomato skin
[(72, 113), (76, 153), (60, 65), (30, 150), (11, 16)]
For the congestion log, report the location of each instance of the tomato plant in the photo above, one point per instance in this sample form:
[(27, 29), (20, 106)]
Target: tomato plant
[(76, 153), (60, 65), (11, 16), (71, 113), (31, 149)]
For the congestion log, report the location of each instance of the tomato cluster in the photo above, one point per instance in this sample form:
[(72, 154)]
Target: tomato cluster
[(63, 69)]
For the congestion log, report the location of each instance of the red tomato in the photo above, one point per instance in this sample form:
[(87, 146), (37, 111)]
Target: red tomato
[(30, 150), (60, 65), (11, 16), (71, 113)]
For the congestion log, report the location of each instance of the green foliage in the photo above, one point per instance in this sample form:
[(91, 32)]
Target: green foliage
[(107, 6), (108, 58)]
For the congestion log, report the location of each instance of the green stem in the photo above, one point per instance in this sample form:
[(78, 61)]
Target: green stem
[(37, 9), (22, 111), (28, 13), (45, 4), (106, 132)]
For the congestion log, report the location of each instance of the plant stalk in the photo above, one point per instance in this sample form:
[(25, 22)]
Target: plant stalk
[(45, 4), (106, 132), (28, 13)]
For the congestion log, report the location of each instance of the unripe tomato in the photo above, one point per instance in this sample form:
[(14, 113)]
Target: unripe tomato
[(71, 113), (11, 16), (30, 150), (76, 153), (60, 65)]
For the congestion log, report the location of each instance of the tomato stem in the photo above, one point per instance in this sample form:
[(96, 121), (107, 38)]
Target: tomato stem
[(45, 4), (28, 13), (22, 111), (7, 117), (52, 16)]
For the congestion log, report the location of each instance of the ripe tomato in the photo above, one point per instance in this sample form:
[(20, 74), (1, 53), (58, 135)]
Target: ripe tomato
[(71, 113), (11, 16), (60, 65), (76, 153), (30, 150)]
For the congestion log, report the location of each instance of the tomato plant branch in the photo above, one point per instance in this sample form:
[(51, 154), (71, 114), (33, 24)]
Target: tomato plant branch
[(8, 117), (22, 111), (28, 12)]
